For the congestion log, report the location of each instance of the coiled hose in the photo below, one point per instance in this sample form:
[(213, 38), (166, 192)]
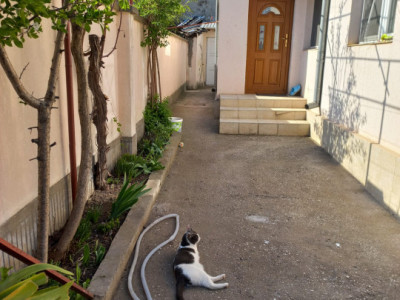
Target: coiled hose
[(142, 270)]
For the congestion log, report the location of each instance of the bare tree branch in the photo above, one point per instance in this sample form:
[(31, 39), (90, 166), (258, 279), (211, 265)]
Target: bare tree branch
[(55, 66), (116, 39), (23, 70), (15, 80)]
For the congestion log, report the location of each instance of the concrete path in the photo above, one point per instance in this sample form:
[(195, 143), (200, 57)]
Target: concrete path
[(277, 214)]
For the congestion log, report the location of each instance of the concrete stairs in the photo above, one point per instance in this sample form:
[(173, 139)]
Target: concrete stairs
[(263, 115)]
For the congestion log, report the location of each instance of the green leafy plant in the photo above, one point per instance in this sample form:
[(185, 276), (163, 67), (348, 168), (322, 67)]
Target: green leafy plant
[(86, 255), (26, 282), (84, 230), (127, 164), (78, 273), (119, 125), (93, 214), (158, 130), (107, 227), (157, 124), (112, 180), (100, 252), (127, 196)]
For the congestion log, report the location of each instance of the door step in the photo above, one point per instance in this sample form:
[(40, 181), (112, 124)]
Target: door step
[(256, 101), (264, 127), (263, 115)]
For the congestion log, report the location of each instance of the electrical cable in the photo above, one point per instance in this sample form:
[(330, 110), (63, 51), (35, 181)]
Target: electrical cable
[(142, 270)]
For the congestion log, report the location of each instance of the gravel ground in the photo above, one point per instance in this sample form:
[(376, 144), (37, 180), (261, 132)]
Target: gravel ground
[(277, 215)]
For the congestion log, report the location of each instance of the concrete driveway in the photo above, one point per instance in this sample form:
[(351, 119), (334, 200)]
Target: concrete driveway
[(277, 215)]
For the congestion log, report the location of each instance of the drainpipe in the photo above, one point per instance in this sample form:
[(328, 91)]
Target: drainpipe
[(70, 105), (216, 46), (321, 55)]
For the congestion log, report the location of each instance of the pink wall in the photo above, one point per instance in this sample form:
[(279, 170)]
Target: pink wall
[(173, 63), (124, 82), (232, 46)]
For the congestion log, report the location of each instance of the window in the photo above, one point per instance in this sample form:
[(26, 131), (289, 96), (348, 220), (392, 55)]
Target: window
[(315, 31), (377, 21), (271, 9), (261, 38)]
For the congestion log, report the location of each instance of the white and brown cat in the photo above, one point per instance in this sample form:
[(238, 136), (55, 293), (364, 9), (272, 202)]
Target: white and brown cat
[(188, 269)]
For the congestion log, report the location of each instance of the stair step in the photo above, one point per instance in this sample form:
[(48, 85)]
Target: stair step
[(265, 127), (262, 101), (263, 113)]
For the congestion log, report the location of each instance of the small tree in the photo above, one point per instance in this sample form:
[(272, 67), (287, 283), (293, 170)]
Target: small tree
[(87, 12), (159, 15), (20, 19)]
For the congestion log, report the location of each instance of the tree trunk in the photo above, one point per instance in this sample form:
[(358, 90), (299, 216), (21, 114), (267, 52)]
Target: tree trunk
[(70, 228), (43, 141), (99, 113), (153, 74), (158, 76)]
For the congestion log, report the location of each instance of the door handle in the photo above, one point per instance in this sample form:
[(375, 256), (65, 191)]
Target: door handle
[(286, 37)]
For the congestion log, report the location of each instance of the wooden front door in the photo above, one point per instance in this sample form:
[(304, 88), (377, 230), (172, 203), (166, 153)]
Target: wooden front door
[(268, 46)]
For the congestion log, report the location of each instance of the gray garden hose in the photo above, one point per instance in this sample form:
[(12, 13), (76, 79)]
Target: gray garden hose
[(142, 270)]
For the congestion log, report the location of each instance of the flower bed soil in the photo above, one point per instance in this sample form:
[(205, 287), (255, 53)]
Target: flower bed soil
[(103, 201)]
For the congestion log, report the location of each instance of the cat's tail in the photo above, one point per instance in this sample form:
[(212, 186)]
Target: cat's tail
[(180, 285)]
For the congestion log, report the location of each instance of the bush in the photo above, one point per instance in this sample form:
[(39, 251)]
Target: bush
[(157, 125)]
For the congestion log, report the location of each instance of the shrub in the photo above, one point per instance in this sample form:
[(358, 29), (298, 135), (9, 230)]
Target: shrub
[(127, 164), (157, 125)]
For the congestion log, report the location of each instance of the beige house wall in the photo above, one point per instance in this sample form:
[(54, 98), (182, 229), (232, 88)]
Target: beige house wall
[(359, 116), (361, 89), (124, 82)]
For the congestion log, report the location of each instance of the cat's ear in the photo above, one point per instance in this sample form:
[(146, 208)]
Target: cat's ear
[(189, 228)]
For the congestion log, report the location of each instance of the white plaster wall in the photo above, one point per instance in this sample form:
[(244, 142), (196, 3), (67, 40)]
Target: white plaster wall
[(297, 53), (232, 46), (361, 89), (309, 69)]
